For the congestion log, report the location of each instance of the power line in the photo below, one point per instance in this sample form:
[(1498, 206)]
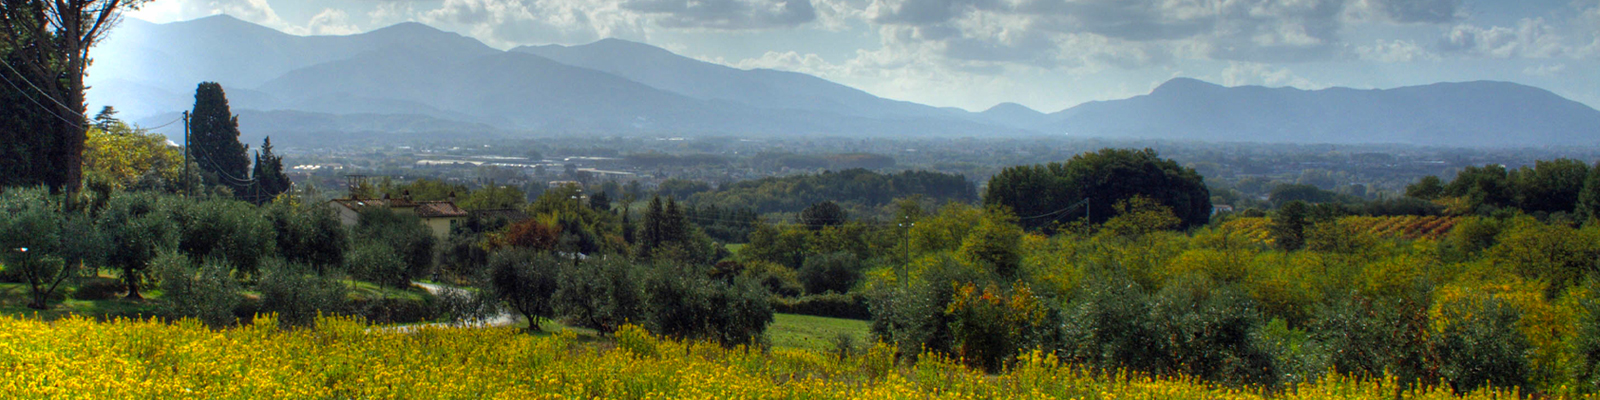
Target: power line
[(180, 118), (46, 109), (35, 87)]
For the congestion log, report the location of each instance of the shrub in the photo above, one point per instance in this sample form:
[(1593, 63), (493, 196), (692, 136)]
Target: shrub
[(205, 292), (836, 273), (1480, 345), (778, 279), (990, 327), (297, 295), (311, 236), (377, 263), (684, 303), (232, 232), (601, 295), (137, 229), (404, 234), (835, 305), (1110, 326)]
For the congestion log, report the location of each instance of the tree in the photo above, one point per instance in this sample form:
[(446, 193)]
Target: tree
[(1428, 188), (822, 214), (214, 139), (1550, 186), (1043, 195), (45, 46), (1589, 195), (527, 281), (1289, 225), (130, 157), (268, 174), (1488, 185), (45, 241), (138, 230)]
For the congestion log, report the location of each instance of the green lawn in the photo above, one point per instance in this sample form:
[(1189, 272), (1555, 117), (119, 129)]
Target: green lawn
[(815, 333), (14, 299), (734, 247)]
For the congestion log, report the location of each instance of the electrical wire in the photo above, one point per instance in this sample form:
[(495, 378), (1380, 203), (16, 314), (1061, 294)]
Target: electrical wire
[(46, 108), (35, 87)]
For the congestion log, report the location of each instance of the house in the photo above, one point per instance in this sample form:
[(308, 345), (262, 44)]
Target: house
[(1221, 209), (439, 216)]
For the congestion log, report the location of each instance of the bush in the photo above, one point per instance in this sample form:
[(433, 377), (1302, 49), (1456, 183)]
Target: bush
[(1213, 334), (1370, 337), (601, 295), (297, 294), (1110, 326), (988, 328), (137, 229), (404, 234), (311, 236), (1480, 345), (98, 289), (377, 263), (835, 305), (835, 273), (205, 292), (232, 232), (912, 317), (686, 304)]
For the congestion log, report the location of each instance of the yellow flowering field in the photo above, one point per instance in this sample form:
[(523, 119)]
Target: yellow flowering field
[(131, 359)]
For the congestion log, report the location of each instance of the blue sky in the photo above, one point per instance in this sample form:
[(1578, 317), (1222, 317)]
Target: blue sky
[(1045, 54)]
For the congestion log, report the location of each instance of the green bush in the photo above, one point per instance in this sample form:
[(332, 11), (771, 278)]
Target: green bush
[(685, 303), (778, 279), (297, 295), (1481, 345), (834, 272), (230, 231), (601, 295), (526, 280), (377, 263), (1110, 325), (1213, 333), (835, 305), (1369, 337), (405, 236), (912, 317), (137, 229), (309, 235), (204, 292)]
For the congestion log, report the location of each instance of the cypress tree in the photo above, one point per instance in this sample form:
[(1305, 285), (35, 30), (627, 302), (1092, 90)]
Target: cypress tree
[(214, 139), (268, 173)]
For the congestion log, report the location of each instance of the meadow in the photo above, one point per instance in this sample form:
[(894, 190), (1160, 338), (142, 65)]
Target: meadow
[(77, 357)]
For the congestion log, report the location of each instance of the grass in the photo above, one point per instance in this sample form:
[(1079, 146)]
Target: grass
[(734, 248), (14, 299), (815, 333)]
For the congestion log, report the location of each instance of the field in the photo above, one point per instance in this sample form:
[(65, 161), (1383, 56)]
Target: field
[(82, 358), (815, 333)]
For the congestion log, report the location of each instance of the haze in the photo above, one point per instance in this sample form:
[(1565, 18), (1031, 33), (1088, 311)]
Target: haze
[(1047, 55)]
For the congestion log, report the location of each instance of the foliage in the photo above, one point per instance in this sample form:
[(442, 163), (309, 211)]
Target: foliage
[(297, 295), (131, 157), (202, 291), (45, 241), (823, 214), (1479, 345), (1289, 226), (851, 188), (214, 139), (687, 304), (494, 197), (836, 305), (1106, 178), (602, 295), (233, 232), (137, 229), (830, 273), (527, 281), (309, 234), (990, 327), (383, 230), (270, 181)]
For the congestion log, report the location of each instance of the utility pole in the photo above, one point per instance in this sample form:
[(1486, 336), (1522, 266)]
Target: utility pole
[(188, 186), (904, 274)]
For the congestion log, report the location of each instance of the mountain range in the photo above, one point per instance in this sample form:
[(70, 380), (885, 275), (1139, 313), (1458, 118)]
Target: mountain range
[(413, 79)]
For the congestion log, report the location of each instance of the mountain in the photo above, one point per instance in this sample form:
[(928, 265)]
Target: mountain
[(412, 79), (761, 88), (1448, 114)]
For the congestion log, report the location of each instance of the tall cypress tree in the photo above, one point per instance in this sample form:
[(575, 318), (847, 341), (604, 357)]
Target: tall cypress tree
[(214, 139), (268, 173)]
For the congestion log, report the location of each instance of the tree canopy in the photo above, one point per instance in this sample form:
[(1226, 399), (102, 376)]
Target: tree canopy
[(1041, 194)]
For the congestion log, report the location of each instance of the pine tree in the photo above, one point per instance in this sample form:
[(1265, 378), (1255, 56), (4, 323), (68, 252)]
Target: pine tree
[(268, 173), (214, 139)]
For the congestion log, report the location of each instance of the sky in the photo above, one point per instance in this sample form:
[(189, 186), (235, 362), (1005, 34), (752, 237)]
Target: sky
[(1045, 54)]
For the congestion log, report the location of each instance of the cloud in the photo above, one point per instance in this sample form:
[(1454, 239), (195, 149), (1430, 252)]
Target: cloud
[(726, 14), (1245, 73), (507, 23), (331, 22), (1394, 51), (1544, 70), (1531, 38), (1407, 11)]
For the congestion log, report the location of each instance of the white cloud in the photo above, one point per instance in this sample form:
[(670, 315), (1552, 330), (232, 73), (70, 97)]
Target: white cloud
[(1545, 70), (1531, 38), (330, 22), (1247, 73), (1394, 51)]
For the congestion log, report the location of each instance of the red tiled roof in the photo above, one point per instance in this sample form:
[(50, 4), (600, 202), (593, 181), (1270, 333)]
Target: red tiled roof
[(439, 209)]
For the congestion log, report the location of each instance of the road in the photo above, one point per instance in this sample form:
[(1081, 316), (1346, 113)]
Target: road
[(504, 319)]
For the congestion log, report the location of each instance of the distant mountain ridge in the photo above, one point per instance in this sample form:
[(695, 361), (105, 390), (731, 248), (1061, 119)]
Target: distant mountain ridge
[(412, 78), (1453, 114)]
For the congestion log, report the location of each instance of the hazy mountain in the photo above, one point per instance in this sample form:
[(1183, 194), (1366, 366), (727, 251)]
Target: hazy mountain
[(761, 88), (1455, 114), (411, 78)]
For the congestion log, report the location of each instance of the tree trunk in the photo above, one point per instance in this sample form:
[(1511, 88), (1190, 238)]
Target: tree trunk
[(133, 288)]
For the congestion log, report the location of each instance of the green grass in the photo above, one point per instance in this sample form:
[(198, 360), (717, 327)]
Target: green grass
[(14, 299), (815, 333), (734, 247)]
